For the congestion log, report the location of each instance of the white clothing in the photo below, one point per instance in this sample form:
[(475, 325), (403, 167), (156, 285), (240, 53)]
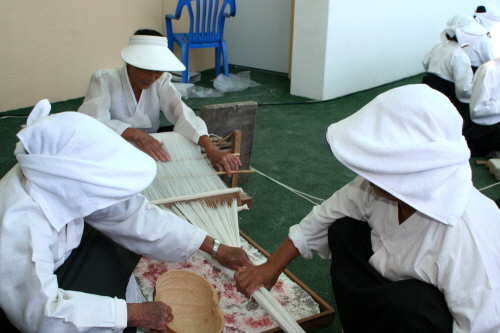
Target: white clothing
[(412, 147), (462, 261), (110, 99), (31, 250), (408, 141), (465, 29), (72, 167), (448, 61), (485, 99), (489, 18), (480, 51)]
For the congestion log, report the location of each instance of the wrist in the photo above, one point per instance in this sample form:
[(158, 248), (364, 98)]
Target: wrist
[(215, 249)]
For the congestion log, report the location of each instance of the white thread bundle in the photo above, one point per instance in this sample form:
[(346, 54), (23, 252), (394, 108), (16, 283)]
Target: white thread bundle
[(186, 173), (222, 222)]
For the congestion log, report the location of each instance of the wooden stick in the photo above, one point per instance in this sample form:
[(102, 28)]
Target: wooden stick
[(221, 173)]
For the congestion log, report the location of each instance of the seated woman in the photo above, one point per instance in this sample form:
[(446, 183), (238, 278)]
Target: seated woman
[(73, 226), (483, 130), (413, 245), (129, 100), (448, 66), (481, 51)]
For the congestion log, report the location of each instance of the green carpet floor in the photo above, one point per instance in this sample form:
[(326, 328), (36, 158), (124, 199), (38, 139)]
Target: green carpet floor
[(288, 147)]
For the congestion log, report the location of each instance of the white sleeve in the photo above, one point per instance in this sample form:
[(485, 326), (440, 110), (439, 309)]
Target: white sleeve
[(462, 75), (145, 229), (97, 103), (29, 291), (178, 113), (486, 50), (484, 105), (311, 234), (477, 313)]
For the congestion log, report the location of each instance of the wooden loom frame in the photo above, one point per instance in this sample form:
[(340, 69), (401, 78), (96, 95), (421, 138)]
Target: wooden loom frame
[(232, 144)]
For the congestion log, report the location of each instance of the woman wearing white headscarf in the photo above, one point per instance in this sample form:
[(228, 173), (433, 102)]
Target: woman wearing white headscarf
[(129, 100), (72, 167), (481, 51), (482, 131), (414, 246), (448, 66)]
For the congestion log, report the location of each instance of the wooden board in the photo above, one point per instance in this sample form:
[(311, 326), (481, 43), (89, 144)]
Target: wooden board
[(222, 119)]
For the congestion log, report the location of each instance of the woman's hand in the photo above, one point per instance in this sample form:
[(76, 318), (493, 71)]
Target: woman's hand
[(146, 143), (232, 257), (249, 279), (152, 315), (220, 159)]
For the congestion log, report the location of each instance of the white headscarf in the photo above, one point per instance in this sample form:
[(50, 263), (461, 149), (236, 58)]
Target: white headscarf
[(465, 28), (75, 165), (408, 141), (489, 18)]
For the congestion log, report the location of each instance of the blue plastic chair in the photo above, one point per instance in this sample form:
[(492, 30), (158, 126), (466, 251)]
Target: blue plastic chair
[(206, 29)]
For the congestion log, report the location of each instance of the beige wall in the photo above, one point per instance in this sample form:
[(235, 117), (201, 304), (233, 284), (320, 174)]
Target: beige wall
[(49, 49)]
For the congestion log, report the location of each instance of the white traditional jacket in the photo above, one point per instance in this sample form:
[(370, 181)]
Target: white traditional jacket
[(462, 261), (110, 99), (448, 61), (31, 249), (485, 99)]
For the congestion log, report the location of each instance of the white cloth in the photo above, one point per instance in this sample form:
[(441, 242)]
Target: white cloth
[(449, 61), (480, 52), (408, 141), (465, 29), (485, 100), (33, 246), (50, 150), (110, 99), (489, 18), (462, 261)]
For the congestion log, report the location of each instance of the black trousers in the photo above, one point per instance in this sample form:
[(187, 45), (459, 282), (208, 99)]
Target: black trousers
[(367, 301), (98, 266), (447, 88), (481, 139)]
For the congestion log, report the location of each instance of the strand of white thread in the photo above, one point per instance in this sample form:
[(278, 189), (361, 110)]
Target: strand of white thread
[(487, 187), (306, 196)]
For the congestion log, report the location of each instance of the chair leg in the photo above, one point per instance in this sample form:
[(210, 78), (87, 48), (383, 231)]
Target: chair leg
[(224, 56), (185, 61), (217, 61)]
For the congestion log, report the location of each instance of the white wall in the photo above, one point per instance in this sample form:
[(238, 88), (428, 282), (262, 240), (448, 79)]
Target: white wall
[(359, 44), (259, 34)]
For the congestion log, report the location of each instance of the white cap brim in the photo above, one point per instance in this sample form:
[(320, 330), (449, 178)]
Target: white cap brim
[(151, 53)]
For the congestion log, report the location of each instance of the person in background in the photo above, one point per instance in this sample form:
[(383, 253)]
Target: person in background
[(482, 131), (413, 245), (480, 51), (60, 274), (129, 100), (448, 67)]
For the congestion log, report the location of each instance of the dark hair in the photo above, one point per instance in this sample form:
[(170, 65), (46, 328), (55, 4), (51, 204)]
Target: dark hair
[(147, 32), (481, 9), (454, 38)]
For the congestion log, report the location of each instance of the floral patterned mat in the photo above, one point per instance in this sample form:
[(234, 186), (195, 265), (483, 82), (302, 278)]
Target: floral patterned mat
[(241, 315)]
